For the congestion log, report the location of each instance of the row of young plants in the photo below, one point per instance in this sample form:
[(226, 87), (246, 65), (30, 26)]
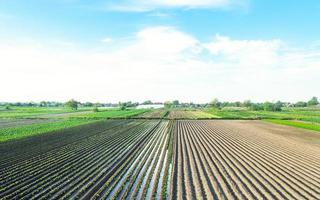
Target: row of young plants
[(127, 181), (127, 160), (55, 159), (32, 148), (47, 162), (106, 175)]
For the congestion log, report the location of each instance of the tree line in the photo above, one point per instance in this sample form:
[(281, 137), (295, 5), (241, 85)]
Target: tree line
[(74, 104)]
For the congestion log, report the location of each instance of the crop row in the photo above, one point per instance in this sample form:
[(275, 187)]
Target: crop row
[(218, 162), (67, 168)]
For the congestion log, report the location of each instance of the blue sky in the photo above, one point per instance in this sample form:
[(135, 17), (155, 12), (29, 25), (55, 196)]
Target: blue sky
[(212, 48)]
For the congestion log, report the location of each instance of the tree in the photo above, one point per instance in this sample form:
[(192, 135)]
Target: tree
[(247, 103), (256, 106), (301, 104), (148, 102), (73, 104), (267, 106), (88, 104), (175, 103), (313, 102), (7, 106), (277, 106), (168, 104), (43, 104), (215, 103), (96, 106), (122, 106)]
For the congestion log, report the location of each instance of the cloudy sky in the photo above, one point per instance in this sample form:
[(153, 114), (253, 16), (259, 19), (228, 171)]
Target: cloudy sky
[(191, 50)]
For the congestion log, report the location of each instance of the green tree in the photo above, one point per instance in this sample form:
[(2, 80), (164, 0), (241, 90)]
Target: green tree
[(168, 104), (7, 106), (277, 106), (313, 102), (267, 106), (301, 104), (215, 103), (247, 103), (73, 104), (96, 106), (88, 104), (148, 102), (175, 103), (256, 106), (122, 106), (43, 104)]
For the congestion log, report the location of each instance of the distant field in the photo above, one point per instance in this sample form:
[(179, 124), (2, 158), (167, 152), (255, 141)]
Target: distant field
[(307, 114), (34, 112), (298, 124), (21, 122), (23, 131), (154, 114), (190, 114), (111, 114), (24, 122)]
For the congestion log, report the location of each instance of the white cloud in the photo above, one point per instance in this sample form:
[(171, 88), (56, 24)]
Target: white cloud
[(160, 63), (246, 52), (107, 40), (148, 5)]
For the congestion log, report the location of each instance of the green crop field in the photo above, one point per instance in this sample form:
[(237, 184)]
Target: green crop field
[(298, 124), (21, 122), (310, 114), (40, 128), (34, 112), (111, 114)]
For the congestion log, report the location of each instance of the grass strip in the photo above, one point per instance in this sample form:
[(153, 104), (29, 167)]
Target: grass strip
[(13, 133), (297, 124)]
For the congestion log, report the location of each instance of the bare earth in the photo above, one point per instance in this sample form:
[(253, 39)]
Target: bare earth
[(245, 160)]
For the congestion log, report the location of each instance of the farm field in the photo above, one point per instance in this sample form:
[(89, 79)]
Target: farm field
[(28, 121), (302, 114), (245, 160), (154, 114), (163, 159), (7, 123), (189, 114), (127, 158)]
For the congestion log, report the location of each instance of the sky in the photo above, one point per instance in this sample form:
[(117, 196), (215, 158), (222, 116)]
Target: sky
[(159, 50)]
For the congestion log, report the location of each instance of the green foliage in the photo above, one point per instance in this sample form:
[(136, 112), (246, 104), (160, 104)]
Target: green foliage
[(148, 102), (247, 103), (256, 106), (313, 102), (87, 104), (215, 103), (7, 106), (273, 106), (43, 104), (175, 103), (301, 104), (112, 114), (36, 129), (298, 124), (303, 114), (168, 104), (73, 104), (31, 112)]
